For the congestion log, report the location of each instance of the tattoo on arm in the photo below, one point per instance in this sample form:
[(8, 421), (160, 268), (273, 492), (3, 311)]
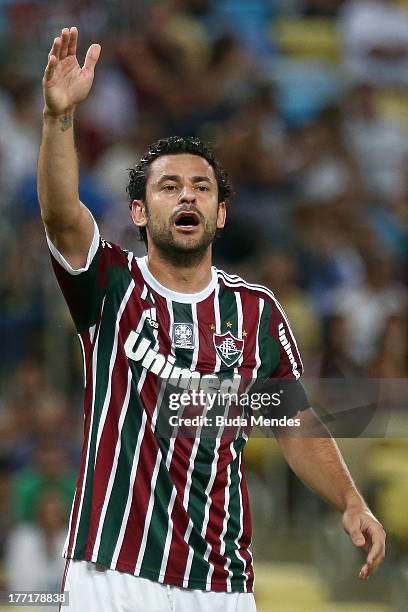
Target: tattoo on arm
[(65, 122)]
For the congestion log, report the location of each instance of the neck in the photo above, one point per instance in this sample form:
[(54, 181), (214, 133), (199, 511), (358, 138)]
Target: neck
[(186, 276)]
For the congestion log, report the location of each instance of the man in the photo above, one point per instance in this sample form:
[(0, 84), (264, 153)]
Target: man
[(162, 523)]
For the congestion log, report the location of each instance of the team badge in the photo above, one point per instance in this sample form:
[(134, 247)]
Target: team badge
[(183, 335), (229, 348)]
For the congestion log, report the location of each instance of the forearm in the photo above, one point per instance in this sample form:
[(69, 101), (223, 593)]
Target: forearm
[(316, 459), (320, 465), (58, 176)]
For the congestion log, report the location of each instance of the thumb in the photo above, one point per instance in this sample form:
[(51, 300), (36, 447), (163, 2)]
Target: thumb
[(92, 56), (357, 537)]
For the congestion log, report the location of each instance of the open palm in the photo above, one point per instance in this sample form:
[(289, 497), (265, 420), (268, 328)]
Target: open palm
[(65, 83)]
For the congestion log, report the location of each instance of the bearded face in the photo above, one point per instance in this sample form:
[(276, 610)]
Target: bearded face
[(176, 236), (181, 213)]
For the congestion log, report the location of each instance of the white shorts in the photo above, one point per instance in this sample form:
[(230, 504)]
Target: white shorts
[(95, 588)]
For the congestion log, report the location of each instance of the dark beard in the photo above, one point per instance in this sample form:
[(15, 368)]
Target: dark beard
[(186, 255)]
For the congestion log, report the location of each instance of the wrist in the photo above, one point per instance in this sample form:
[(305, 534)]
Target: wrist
[(49, 114), (354, 502)]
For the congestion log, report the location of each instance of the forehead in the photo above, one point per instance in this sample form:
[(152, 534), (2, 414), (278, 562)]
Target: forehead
[(184, 165)]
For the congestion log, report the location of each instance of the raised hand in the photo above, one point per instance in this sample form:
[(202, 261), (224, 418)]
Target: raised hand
[(65, 83)]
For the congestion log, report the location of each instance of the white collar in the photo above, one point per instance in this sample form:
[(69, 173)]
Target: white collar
[(175, 296)]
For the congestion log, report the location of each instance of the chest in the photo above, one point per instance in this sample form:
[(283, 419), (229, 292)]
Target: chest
[(223, 334)]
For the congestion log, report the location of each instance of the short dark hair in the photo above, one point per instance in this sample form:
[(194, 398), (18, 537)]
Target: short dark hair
[(174, 145)]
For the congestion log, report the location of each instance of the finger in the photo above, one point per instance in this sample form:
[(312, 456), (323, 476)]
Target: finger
[(73, 39), (377, 550), (364, 573), (92, 57), (373, 561), (369, 569), (55, 49), (64, 43), (49, 71)]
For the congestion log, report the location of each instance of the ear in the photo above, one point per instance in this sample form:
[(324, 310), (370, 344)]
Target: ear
[(221, 215), (139, 214)]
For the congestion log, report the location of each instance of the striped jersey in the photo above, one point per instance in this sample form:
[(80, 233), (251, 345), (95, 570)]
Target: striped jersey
[(173, 509)]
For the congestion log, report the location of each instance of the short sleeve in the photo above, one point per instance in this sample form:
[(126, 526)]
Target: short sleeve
[(290, 364), (85, 288), (285, 378)]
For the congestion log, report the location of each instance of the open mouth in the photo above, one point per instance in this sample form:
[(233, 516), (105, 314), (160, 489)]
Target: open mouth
[(187, 219)]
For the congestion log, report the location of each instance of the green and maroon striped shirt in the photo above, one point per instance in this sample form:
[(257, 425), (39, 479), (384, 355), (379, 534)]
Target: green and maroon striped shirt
[(171, 509)]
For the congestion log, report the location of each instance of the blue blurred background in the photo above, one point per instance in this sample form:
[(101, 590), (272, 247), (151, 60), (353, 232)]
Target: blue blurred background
[(305, 102)]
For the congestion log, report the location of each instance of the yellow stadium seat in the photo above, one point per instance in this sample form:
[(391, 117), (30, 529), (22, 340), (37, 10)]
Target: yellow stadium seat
[(391, 505), (388, 460), (357, 606), (261, 453), (288, 587), (394, 105), (307, 38)]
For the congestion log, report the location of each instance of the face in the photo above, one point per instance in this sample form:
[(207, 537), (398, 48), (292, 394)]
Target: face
[(181, 213)]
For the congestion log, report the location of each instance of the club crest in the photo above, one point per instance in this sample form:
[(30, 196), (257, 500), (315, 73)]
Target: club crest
[(183, 335), (229, 348)]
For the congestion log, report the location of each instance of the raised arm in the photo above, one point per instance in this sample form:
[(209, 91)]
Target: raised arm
[(68, 222)]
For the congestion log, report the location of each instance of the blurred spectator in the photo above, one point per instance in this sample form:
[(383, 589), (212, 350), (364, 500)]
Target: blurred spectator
[(22, 292), (111, 109), (172, 52), (279, 272), (6, 516), (321, 8), (391, 231), (392, 352), (320, 161), (379, 144), (230, 75), (50, 472), (329, 256), (398, 220), (253, 142), (19, 136), (311, 8), (22, 49), (375, 37), (248, 19), (336, 361), (29, 383), (112, 173), (33, 558), (368, 307)]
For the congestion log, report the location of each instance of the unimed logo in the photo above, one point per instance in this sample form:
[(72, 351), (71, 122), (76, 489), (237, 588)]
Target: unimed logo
[(142, 350), (288, 348)]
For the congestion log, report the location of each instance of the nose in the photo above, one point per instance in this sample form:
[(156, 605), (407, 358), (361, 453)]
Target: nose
[(187, 195)]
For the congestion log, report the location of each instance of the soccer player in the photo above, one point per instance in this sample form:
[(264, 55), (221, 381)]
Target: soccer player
[(162, 523)]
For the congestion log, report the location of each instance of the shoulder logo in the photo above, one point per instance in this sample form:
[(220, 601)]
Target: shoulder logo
[(229, 348), (288, 349), (183, 335)]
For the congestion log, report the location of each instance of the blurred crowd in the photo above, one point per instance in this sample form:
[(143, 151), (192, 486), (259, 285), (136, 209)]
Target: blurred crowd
[(306, 104)]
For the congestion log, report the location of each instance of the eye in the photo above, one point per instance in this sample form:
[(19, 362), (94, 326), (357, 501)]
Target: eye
[(169, 188), (202, 188)]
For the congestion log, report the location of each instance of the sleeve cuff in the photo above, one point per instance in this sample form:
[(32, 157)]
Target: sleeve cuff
[(291, 393), (91, 253)]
